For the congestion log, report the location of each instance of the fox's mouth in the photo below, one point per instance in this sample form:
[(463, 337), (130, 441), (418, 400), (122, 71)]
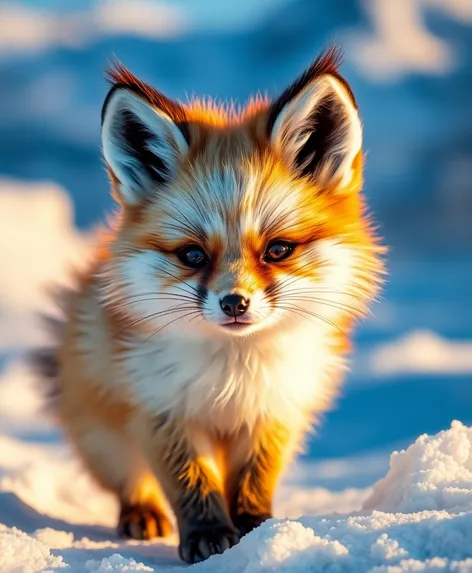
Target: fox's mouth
[(236, 325)]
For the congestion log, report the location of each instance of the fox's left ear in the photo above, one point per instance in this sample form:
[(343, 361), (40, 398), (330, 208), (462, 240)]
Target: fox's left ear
[(143, 136), (315, 126)]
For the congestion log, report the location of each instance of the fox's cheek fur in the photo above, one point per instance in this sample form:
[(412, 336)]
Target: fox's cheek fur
[(145, 287), (322, 290)]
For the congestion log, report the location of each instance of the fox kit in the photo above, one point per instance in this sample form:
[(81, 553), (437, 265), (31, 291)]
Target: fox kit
[(211, 331)]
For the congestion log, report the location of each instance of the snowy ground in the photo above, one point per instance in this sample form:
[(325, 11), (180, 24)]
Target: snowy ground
[(418, 518)]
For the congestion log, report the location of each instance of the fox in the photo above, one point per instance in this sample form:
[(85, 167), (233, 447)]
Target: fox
[(213, 326)]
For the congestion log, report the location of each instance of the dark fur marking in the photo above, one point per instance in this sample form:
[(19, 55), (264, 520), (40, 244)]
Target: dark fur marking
[(184, 127), (138, 138), (258, 503), (206, 540), (159, 422), (246, 522), (199, 505), (323, 125), (250, 497), (142, 521), (205, 278), (45, 361), (202, 293)]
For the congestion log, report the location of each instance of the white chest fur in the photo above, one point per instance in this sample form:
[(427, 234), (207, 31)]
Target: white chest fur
[(229, 382)]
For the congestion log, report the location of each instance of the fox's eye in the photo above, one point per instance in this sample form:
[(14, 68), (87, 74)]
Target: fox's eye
[(193, 256), (278, 251)]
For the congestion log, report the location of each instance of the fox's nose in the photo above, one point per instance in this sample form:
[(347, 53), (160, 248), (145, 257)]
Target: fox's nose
[(234, 304)]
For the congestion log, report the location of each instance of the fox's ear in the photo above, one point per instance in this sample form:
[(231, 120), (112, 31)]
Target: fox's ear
[(142, 144), (315, 125)]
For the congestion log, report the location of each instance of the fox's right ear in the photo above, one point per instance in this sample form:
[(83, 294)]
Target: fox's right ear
[(315, 127), (142, 144)]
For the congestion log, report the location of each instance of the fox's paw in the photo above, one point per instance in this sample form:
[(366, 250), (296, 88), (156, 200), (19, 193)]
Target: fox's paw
[(245, 522), (143, 522), (206, 541)]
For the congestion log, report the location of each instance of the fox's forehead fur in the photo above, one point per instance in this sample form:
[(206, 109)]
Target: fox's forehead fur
[(232, 179), (250, 198)]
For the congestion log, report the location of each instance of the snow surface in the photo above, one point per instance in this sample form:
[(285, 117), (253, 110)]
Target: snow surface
[(53, 517), (417, 518)]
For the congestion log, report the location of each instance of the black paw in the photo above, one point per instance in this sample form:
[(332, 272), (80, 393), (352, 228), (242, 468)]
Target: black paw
[(246, 522), (142, 522), (207, 541)]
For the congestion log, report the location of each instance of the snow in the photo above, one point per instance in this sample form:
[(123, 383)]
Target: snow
[(434, 473), (418, 517), (21, 553)]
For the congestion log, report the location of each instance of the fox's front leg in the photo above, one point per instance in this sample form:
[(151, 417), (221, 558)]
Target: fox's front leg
[(255, 474), (182, 458)]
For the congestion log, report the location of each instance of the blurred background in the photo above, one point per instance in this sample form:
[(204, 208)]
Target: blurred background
[(409, 63)]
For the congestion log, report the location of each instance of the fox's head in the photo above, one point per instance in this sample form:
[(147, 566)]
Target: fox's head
[(233, 223)]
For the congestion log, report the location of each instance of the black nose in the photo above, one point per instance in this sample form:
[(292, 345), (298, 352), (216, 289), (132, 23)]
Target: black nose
[(234, 304)]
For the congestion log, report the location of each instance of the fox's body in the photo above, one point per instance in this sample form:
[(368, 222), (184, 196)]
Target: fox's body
[(212, 329)]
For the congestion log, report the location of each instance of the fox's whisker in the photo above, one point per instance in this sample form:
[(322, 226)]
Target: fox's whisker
[(333, 304), (302, 311), (155, 315), (197, 312)]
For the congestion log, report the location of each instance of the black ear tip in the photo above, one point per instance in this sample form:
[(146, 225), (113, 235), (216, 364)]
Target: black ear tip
[(116, 72), (120, 77), (327, 63)]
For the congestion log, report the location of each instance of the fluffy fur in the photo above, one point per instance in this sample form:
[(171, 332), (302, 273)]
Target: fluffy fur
[(154, 384)]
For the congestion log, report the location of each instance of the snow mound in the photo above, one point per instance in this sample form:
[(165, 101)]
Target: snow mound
[(21, 553), (434, 473)]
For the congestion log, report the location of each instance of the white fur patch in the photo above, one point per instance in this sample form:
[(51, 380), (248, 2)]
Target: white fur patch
[(225, 383), (134, 284)]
